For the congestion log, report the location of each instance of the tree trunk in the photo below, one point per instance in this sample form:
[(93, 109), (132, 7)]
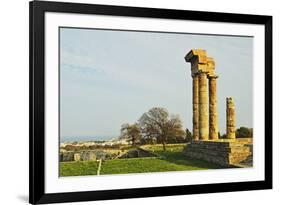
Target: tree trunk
[(133, 141), (164, 146)]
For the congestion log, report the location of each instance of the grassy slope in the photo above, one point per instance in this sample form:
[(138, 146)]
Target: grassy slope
[(78, 168), (171, 160)]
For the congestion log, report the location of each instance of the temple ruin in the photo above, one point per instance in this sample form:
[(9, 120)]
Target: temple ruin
[(206, 144)]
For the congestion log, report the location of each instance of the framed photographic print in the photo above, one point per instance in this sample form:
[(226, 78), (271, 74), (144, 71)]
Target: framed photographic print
[(140, 102)]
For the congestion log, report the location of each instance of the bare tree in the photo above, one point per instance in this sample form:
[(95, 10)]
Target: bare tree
[(156, 123), (188, 136), (131, 132)]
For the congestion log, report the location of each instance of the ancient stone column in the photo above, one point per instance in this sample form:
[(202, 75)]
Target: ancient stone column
[(195, 101), (203, 107), (213, 114), (230, 119)]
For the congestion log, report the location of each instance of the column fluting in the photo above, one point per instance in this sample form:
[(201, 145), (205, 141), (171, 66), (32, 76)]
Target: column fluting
[(213, 113), (203, 107)]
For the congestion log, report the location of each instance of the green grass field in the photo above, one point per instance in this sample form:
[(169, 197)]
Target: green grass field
[(170, 160), (78, 168)]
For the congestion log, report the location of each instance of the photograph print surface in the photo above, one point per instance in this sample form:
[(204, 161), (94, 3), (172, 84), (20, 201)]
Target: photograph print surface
[(143, 102)]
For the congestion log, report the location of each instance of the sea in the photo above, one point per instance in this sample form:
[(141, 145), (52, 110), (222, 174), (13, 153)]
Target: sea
[(85, 138)]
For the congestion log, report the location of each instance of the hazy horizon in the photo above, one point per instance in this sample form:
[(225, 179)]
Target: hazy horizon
[(85, 138), (108, 78)]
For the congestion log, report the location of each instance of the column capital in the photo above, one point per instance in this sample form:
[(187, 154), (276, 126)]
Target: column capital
[(213, 76), (202, 72)]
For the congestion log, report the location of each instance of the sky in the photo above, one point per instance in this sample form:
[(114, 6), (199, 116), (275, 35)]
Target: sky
[(110, 77)]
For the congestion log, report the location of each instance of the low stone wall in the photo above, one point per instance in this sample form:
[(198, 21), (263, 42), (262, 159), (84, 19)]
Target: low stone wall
[(137, 152), (77, 156), (88, 155), (223, 152)]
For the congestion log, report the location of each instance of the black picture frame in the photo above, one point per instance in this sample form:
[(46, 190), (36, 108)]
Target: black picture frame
[(37, 10)]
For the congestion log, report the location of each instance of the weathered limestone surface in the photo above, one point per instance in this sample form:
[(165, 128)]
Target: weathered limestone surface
[(225, 153), (88, 156), (230, 119), (213, 114), (77, 156), (195, 120), (211, 66), (203, 107), (205, 124), (198, 60), (209, 147)]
